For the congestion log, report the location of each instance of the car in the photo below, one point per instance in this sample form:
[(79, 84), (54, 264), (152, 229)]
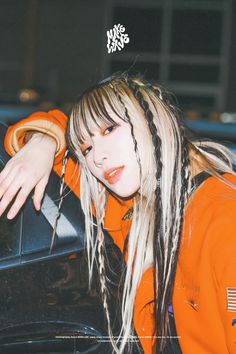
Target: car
[(46, 305), (224, 133), (10, 113)]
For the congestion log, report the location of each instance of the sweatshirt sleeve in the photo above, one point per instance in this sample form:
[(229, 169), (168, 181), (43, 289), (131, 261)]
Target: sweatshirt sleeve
[(224, 265), (52, 123)]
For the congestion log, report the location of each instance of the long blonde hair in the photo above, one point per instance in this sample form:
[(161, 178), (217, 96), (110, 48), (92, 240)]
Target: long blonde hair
[(162, 149)]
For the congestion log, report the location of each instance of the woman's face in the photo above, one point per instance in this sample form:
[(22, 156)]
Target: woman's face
[(111, 158)]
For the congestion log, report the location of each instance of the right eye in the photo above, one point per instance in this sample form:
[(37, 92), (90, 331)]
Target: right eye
[(86, 150)]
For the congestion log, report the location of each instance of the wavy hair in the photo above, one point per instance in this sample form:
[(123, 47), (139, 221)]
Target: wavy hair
[(166, 156)]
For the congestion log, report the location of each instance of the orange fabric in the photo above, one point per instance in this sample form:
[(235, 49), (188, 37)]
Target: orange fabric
[(53, 123), (206, 266)]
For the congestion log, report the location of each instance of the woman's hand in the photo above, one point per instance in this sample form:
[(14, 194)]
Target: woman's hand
[(29, 169)]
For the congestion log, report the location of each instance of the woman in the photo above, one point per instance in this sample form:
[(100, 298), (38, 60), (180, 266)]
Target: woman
[(168, 202)]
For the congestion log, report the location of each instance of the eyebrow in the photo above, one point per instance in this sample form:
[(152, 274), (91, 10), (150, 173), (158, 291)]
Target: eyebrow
[(92, 135)]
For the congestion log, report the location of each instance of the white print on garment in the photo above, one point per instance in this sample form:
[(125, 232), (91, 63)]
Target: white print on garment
[(231, 299), (116, 38)]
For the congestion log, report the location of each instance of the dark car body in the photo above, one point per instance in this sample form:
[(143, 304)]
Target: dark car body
[(224, 133), (45, 303)]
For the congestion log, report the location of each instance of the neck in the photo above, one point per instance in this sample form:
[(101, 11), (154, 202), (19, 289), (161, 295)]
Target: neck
[(197, 163)]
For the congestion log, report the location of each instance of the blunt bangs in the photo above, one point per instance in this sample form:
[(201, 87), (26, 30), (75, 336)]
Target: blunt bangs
[(94, 108)]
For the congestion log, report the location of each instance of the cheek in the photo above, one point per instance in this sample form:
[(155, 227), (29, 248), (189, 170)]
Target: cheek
[(132, 157), (128, 154), (125, 143), (92, 168)]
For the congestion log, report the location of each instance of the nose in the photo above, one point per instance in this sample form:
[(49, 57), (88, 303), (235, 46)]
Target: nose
[(99, 153)]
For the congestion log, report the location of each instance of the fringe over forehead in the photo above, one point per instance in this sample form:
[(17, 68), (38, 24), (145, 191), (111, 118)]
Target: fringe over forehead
[(98, 106)]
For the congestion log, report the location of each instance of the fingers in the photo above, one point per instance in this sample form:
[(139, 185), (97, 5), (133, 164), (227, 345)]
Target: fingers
[(11, 181), (6, 180), (8, 196), (29, 168), (23, 193), (39, 192), (19, 201), (15, 185), (3, 174)]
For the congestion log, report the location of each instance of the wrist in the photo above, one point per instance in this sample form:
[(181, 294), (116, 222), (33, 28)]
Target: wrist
[(44, 139)]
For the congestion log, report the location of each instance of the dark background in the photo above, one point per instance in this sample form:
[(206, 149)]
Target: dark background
[(58, 48)]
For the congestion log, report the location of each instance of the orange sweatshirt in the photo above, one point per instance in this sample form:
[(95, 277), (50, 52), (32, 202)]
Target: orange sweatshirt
[(204, 297)]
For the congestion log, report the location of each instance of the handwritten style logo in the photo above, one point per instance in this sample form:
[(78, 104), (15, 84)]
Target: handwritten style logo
[(116, 38)]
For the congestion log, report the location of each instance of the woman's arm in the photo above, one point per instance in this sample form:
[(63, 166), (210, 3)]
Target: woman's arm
[(32, 163), (27, 170), (52, 123)]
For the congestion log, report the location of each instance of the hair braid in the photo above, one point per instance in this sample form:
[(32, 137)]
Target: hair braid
[(131, 126), (61, 197), (158, 240), (103, 279), (185, 189), (101, 251), (185, 163)]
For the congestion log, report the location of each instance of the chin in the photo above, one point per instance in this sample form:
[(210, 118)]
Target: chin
[(124, 190), (125, 193)]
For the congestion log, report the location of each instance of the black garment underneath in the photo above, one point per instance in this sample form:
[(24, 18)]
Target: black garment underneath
[(172, 346)]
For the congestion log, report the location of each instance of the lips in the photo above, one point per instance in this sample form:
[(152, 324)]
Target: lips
[(112, 175)]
